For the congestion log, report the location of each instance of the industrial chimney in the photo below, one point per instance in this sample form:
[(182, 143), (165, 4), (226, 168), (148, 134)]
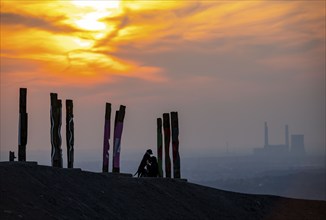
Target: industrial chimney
[(266, 135)]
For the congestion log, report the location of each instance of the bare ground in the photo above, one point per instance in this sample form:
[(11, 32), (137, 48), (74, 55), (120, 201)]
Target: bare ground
[(30, 191)]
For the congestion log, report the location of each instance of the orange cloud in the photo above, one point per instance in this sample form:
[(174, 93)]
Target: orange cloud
[(80, 41)]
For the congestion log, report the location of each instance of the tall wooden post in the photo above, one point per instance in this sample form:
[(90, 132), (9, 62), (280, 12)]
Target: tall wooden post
[(70, 133), (159, 146), (23, 122), (114, 138), (175, 144), (106, 141), (54, 100), (12, 156), (56, 120), (117, 138), (167, 134)]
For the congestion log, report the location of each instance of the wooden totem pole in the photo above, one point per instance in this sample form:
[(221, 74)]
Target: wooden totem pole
[(118, 128), (56, 120), (159, 146), (106, 141), (114, 138), (167, 134), (70, 133), (175, 144), (23, 122), (11, 156)]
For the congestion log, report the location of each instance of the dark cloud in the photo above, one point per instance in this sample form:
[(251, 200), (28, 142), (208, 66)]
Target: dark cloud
[(192, 8), (35, 22), (120, 22), (16, 65), (189, 62)]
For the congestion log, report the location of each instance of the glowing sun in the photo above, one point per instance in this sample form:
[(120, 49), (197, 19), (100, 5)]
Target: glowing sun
[(92, 13)]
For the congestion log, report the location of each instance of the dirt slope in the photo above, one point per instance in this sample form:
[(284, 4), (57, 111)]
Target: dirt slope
[(30, 191)]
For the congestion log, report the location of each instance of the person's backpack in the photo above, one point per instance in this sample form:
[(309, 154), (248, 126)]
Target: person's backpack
[(153, 168)]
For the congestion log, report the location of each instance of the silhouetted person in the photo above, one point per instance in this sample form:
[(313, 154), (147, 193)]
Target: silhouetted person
[(142, 166), (152, 168)]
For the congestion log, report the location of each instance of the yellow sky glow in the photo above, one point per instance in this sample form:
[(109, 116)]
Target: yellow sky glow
[(82, 37)]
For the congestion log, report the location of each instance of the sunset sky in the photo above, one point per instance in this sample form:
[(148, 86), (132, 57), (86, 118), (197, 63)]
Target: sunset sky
[(225, 66)]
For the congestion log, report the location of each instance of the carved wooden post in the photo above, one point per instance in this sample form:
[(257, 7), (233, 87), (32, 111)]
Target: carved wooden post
[(54, 99), (55, 116), (175, 144), (114, 137), (23, 122), (106, 141), (70, 133), (117, 138), (12, 156), (167, 134), (159, 146)]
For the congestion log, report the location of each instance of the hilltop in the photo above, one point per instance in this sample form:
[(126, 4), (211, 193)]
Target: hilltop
[(31, 191)]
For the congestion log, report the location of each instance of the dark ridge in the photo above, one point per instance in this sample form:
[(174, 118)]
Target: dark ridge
[(30, 191)]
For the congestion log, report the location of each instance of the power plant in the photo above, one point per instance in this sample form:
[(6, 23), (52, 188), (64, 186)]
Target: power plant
[(296, 149), (297, 145)]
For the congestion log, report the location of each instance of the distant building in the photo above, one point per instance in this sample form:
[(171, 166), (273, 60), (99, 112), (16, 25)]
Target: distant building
[(297, 146)]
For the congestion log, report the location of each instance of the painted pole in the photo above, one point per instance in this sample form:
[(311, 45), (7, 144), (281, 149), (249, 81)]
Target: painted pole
[(159, 146), (167, 134), (55, 116), (114, 137), (59, 142), (117, 138), (70, 133), (175, 144), (23, 124), (106, 141), (53, 98)]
